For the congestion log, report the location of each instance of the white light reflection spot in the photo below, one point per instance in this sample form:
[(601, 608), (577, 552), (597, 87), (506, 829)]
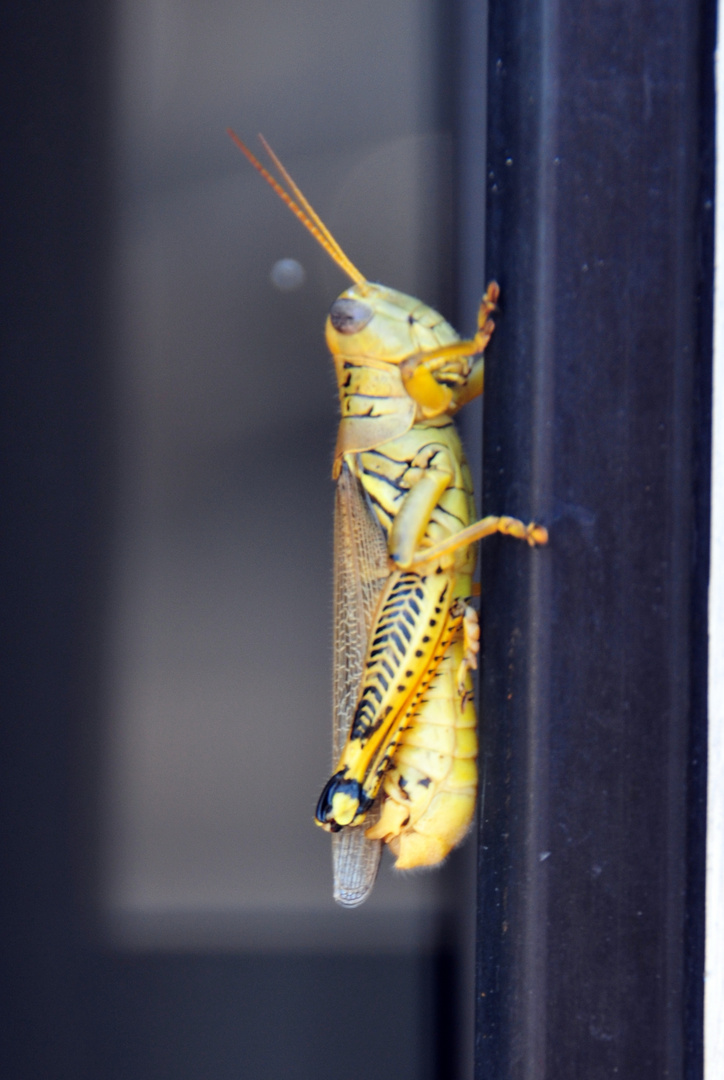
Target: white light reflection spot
[(287, 275)]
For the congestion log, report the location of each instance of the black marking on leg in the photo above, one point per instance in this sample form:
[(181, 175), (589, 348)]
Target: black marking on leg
[(340, 783)]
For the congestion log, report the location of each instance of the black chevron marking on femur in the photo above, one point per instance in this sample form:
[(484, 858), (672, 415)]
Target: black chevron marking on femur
[(387, 664)]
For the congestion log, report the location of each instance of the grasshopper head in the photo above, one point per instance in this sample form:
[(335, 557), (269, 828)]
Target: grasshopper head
[(373, 322)]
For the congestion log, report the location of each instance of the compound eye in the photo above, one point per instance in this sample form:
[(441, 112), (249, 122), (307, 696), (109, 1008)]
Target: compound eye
[(348, 316)]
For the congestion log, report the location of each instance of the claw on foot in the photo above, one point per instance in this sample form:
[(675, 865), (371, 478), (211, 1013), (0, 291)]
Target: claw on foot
[(536, 534)]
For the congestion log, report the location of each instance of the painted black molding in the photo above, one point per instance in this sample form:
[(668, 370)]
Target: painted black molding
[(600, 129)]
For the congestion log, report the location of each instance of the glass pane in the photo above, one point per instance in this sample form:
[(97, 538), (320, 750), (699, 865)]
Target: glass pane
[(219, 698)]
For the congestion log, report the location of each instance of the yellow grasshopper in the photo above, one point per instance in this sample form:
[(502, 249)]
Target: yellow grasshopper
[(406, 636)]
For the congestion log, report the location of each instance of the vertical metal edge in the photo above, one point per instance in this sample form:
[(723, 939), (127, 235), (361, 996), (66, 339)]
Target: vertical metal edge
[(529, 1015)]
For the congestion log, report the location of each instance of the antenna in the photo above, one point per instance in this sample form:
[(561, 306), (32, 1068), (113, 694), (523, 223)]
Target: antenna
[(305, 212)]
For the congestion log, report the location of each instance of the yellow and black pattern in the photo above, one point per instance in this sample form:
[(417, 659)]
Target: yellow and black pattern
[(417, 483), (428, 793), (403, 635), (415, 625), (388, 473), (375, 405), (405, 715), (408, 766)]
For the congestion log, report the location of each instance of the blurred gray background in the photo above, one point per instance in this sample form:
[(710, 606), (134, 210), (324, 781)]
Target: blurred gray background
[(166, 908), (218, 673)]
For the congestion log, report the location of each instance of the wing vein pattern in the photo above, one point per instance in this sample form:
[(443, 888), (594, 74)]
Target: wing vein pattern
[(360, 572)]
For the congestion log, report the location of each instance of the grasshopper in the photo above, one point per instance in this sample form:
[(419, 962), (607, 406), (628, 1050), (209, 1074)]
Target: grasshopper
[(406, 635)]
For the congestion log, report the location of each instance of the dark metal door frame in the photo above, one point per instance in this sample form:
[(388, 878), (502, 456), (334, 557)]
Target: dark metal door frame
[(597, 420)]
